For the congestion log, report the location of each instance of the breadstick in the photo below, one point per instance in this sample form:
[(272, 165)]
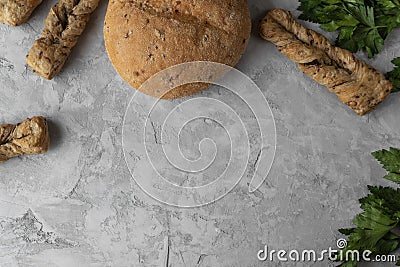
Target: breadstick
[(357, 84), (16, 12), (27, 138), (64, 24)]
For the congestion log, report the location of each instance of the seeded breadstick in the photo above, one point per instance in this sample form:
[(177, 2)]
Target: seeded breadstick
[(357, 84), (64, 24), (27, 138), (16, 12)]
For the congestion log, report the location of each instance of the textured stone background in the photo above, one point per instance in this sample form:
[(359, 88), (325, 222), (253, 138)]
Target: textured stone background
[(78, 205)]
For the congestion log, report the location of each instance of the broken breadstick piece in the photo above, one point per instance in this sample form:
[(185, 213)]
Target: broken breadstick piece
[(64, 24), (357, 84), (16, 12), (27, 138)]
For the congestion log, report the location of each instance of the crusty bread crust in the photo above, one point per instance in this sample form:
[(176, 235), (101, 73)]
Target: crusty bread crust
[(357, 84), (64, 25), (26, 138), (145, 37), (16, 12)]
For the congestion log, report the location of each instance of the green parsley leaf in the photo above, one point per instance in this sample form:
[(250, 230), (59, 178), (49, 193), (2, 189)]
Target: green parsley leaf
[(394, 75), (390, 159), (347, 231), (362, 25), (389, 198), (388, 14), (374, 225), (381, 215)]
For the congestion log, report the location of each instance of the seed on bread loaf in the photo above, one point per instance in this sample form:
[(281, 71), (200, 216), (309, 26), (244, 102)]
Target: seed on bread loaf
[(145, 37)]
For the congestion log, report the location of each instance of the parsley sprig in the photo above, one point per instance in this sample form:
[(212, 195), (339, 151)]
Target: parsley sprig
[(380, 216), (362, 24), (394, 75)]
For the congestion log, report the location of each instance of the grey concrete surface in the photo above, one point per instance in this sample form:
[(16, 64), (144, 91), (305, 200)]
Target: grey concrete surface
[(77, 205)]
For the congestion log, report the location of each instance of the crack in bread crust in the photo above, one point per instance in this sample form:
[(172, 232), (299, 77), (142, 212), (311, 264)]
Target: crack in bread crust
[(170, 12), (356, 84)]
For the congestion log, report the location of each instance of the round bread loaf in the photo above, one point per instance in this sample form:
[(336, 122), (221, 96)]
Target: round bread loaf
[(143, 37)]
